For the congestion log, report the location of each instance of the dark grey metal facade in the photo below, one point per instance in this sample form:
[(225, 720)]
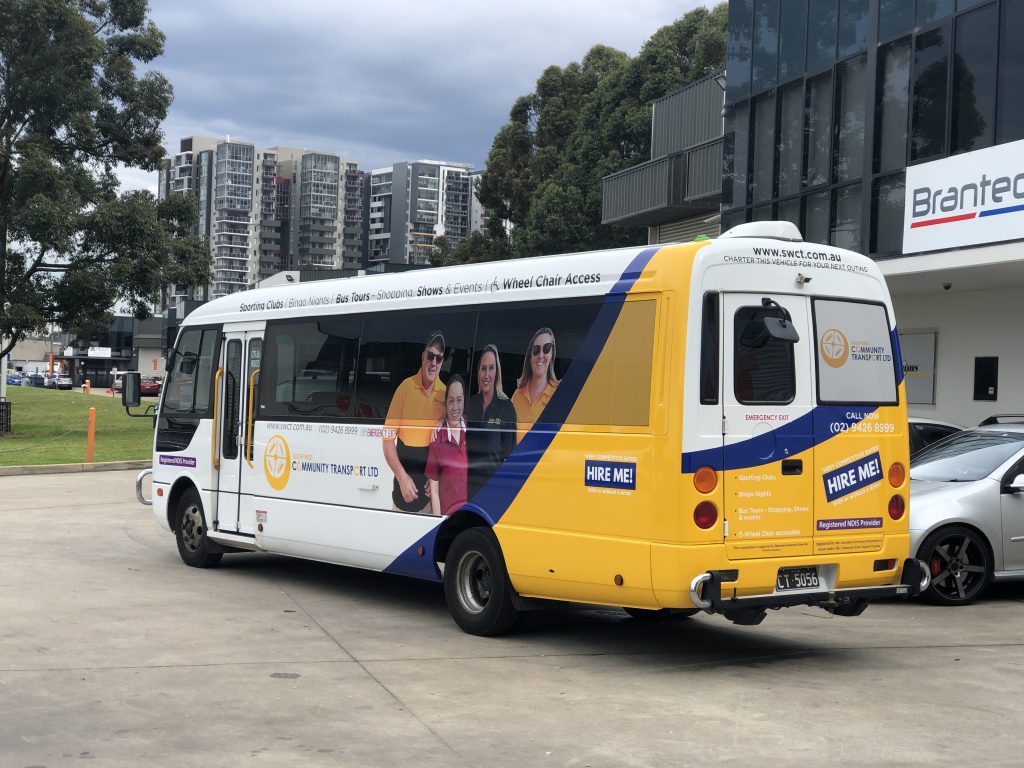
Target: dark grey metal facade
[(684, 177)]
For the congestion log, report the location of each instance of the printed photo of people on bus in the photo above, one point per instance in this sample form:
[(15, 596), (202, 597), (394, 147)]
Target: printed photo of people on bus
[(442, 443), (417, 405), (447, 465), (491, 419), (538, 381)]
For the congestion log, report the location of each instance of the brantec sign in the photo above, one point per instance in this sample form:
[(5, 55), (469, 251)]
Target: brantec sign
[(968, 199)]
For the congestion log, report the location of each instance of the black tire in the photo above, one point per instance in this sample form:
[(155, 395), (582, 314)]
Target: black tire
[(662, 614), (476, 584), (960, 562), (195, 549)]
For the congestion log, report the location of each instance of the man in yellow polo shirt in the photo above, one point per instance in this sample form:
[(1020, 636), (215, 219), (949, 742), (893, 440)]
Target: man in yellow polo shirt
[(416, 407)]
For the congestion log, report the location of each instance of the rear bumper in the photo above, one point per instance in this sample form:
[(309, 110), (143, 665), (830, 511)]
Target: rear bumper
[(706, 594)]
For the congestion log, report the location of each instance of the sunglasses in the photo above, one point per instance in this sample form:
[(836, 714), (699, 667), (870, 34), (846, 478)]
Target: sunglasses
[(433, 357), (546, 349)]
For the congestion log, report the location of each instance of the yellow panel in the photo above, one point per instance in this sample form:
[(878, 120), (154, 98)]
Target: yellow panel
[(618, 390)]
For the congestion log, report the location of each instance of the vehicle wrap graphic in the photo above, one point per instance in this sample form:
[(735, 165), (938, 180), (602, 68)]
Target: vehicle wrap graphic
[(494, 499)]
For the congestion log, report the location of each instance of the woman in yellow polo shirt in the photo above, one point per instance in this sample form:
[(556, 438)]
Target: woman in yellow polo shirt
[(537, 383)]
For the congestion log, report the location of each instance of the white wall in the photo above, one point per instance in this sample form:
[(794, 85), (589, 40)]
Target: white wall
[(969, 324)]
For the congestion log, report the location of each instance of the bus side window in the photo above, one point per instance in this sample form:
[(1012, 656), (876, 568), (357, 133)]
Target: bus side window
[(709, 344)]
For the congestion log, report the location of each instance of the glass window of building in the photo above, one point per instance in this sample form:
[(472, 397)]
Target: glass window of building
[(974, 79), (792, 38), (887, 215), (928, 123), (818, 129), (816, 217), (851, 83), (895, 17), (738, 46), (853, 27), (766, 45), (846, 217), (739, 155), (791, 114), (789, 210), (1011, 74), (963, 5), (932, 10), (892, 112), (764, 149), (821, 34)]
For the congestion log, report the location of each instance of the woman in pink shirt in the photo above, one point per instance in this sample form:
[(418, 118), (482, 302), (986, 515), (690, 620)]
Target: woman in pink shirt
[(447, 467)]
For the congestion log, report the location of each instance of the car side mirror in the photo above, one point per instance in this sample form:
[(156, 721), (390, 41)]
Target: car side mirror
[(1017, 486), (131, 394)]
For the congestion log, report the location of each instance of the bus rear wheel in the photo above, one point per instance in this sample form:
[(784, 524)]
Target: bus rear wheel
[(195, 549), (476, 584)]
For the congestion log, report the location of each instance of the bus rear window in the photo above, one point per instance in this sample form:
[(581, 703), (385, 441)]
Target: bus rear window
[(854, 355)]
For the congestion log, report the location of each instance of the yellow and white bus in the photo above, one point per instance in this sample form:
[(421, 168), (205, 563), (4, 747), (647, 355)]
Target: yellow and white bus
[(716, 425)]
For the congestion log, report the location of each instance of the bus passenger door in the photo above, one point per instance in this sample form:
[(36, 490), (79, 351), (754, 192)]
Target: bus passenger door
[(237, 386), (767, 400)]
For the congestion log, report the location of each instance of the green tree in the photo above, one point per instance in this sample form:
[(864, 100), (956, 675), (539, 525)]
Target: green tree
[(586, 121), (73, 108)]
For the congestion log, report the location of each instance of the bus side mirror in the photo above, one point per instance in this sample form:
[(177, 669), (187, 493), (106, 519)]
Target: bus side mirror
[(781, 329), (131, 394)]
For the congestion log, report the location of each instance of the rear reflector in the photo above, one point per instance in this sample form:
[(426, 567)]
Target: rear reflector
[(885, 565), (705, 479), (897, 506), (897, 475), (705, 515)]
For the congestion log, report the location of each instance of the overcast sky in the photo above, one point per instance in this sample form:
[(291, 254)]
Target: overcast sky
[(376, 81)]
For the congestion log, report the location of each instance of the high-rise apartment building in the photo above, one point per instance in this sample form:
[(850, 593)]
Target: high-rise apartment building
[(411, 203), (265, 210)]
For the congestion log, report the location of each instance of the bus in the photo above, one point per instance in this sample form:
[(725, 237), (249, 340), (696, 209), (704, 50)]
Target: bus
[(713, 426)]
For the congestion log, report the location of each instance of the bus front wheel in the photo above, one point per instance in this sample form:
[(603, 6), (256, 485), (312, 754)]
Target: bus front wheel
[(476, 584), (194, 547)]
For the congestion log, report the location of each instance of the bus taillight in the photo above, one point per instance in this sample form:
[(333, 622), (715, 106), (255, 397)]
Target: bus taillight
[(705, 515), (897, 506)]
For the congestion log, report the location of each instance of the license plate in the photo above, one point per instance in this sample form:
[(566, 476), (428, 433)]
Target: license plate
[(797, 578)]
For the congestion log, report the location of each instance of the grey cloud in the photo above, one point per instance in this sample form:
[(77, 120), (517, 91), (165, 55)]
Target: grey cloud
[(377, 82)]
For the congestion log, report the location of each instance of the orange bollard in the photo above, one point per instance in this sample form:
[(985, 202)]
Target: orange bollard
[(88, 386), (90, 443)]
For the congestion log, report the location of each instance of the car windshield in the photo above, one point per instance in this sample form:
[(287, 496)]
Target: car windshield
[(965, 456)]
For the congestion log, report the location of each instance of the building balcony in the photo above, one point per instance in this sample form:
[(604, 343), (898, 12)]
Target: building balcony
[(670, 188)]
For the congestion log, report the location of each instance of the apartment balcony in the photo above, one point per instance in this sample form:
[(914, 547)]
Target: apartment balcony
[(667, 189)]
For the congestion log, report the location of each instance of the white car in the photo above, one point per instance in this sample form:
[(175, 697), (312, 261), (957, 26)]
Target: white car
[(924, 431), (967, 511)]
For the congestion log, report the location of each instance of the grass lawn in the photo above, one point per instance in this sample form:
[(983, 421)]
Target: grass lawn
[(50, 426)]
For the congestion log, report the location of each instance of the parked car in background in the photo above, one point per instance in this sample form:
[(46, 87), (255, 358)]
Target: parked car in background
[(967, 511), (32, 380), (63, 382), (150, 385), (14, 378), (924, 431), (50, 380)]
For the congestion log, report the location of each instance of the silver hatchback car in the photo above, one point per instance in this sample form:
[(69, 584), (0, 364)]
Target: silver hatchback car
[(967, 510)]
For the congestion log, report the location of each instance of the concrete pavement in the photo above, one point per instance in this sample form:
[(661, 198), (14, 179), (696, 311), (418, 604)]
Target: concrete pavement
[(112, 651)]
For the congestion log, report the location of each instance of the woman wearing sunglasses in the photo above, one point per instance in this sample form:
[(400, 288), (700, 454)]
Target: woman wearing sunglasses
[(537, 383)]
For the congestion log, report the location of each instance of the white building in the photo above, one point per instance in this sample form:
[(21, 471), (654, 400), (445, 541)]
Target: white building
[(411, 203)]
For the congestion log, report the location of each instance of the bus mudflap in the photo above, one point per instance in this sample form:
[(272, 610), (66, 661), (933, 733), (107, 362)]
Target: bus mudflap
[(706, 594)]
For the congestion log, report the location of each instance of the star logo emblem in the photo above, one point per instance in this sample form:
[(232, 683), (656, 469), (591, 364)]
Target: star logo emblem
[(834, 347), (277, 461)]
